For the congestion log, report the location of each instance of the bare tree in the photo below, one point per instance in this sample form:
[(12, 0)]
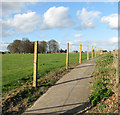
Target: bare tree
[(53, 46), (21, 46), (15, 47), (42, 47), (27, 45)]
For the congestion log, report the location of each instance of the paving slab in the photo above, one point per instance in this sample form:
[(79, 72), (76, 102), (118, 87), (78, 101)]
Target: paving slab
[(68, 95)]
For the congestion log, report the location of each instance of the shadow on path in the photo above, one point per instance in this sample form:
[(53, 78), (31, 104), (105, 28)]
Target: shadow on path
[(55, 107), (78, 109), (73, 80), (71, 111), (85, 66), (67, 81)]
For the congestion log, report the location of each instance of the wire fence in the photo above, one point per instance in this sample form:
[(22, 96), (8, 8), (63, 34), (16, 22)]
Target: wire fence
[(89, 53)]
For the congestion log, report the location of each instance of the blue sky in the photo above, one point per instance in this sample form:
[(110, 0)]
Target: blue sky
[(89, 23)]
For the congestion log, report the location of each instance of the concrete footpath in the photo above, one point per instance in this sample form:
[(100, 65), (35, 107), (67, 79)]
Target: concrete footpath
[(68, 95)]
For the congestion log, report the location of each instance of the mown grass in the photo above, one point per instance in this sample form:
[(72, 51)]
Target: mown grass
[(18, 68), (18, 93)]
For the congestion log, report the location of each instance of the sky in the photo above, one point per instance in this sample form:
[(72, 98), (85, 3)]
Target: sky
[(86, 23)]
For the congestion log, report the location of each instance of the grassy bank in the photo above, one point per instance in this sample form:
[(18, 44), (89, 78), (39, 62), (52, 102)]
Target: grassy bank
[(104, 98)]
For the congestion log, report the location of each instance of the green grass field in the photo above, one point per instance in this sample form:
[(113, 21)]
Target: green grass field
[(20, 66)]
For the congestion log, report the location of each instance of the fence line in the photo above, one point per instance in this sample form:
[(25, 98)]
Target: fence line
[(67, 58), (97, 53)]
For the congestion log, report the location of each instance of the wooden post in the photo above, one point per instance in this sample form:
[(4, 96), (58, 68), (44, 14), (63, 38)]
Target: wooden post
[(117, 68), (35, 64), (80, 54), (98, 52), (87, 52), (101, 51), (92, 52), (95, 51), (67, 56)]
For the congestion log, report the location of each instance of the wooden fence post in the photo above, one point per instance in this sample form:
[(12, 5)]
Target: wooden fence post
[(101, 51), (35, 64), (80, 59), (92, 52), (67, 56), (95, 51), (87, 52), (117, 68)]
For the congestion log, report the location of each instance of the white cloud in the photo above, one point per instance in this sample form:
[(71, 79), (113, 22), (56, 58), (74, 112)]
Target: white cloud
[(112, 21), (26, 22), (61, 1), (59, 43), (21, 23), (78, 35), (11, 7), (87, 18), (113, 40), (76, 42), (109, 44), (56, 17), (8, 33), (30, 1), (3, 46)]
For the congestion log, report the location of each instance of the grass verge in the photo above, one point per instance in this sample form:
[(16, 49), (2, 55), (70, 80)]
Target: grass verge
[(104, 98)]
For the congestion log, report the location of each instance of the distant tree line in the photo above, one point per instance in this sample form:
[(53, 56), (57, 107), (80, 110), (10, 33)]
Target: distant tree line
[(26, 46)]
